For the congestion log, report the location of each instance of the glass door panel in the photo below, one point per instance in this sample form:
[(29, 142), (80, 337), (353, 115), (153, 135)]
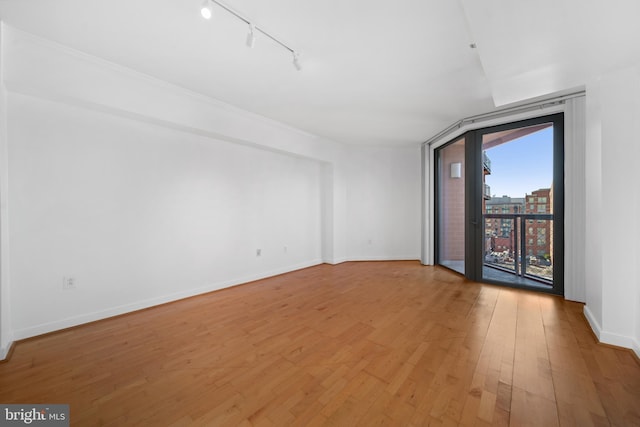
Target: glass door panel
[(520, 175), (500, 204), (451, 205)]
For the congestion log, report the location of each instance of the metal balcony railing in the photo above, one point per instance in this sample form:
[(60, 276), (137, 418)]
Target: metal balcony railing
[(486, 162), (487, 192), (516, 259)]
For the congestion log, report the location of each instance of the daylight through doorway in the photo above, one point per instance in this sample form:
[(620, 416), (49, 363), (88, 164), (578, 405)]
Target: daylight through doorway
[(499, 204)]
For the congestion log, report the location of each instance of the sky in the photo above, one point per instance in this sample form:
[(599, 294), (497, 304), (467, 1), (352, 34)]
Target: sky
[(522, 165)]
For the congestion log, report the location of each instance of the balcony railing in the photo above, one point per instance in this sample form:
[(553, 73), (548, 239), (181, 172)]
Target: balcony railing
[(516, 258), (486, 162), (487, 192)]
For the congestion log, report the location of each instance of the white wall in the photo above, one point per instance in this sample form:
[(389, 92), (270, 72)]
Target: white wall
[(144, 192), (140, 214), (613, 291), (383, 203)]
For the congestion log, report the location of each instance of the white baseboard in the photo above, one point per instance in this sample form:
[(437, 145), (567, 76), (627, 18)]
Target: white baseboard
[(595, 325), (373, 258), (44, 328), (6, 344), (4, 351), (616, 339), (611, 338), (385, 258), (636, 348)]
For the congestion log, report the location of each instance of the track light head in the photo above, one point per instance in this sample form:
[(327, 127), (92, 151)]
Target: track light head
[(207, 13), (251, 37), (296, 60), (207, 9)]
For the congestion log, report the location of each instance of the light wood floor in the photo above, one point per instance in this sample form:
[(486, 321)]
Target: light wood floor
[(358, 344)]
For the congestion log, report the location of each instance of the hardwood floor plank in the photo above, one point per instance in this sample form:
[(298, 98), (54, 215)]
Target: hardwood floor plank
[(531, 409), (362, 343)]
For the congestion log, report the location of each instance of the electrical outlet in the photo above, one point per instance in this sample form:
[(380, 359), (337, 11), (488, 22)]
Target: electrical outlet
[(258, 252), (68, 283)]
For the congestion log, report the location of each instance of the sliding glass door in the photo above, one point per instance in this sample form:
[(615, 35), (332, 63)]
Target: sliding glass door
[(505, 204)]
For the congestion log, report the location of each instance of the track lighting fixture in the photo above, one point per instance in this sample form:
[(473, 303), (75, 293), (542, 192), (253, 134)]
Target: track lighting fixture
[(207, 9), (251, 37), (207, 13), (296, 60)]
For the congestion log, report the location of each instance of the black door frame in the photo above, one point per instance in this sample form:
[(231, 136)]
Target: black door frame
[(474, 238)]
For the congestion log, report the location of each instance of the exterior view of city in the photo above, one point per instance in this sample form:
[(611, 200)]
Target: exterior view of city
[(505, 219), (518, 228)]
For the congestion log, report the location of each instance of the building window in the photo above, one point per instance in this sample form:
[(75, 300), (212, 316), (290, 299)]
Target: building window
[(542, 208), (542, 238)]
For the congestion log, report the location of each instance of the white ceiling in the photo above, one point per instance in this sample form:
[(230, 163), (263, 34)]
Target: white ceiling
[(374, 72)]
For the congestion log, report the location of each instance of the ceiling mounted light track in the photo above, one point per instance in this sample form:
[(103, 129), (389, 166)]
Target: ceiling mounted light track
[(207, 13)]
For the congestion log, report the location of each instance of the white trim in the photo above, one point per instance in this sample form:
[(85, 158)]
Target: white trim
[(4, 351), (610, 338), (595, 326), (372, 258), (128, 308), (617, 339), (385, 258)]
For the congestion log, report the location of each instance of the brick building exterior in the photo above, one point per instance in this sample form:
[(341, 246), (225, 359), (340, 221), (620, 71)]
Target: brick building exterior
[(499, 231), (538, 231)]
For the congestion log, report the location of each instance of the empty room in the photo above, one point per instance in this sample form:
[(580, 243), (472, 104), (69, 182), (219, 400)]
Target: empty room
[(244, 213)]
